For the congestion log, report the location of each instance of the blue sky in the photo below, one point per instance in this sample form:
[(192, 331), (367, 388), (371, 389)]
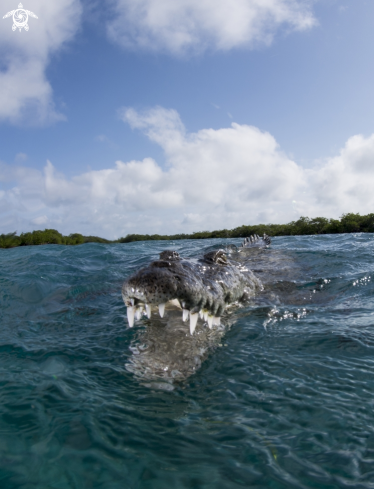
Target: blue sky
[(168, 116)]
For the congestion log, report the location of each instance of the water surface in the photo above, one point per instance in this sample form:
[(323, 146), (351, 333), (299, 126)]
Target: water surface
[(284, 399)]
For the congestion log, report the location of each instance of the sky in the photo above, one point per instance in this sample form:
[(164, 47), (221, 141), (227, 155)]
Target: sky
[(171, 116)]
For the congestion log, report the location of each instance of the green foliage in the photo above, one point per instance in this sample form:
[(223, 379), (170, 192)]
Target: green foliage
[(74, 239), (48, 236), (9, 240), (95, 239), (348, 223)]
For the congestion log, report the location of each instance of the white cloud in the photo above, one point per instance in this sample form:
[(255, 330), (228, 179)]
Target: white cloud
[(40, 221), (346, 181), (231, 169), (193, 26), (211, 179), (25, 93)]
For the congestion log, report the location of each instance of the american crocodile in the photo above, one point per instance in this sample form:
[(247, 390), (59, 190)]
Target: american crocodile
[(204, 287)]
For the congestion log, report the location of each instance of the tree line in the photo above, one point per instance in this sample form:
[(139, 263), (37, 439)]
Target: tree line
[(48, 236), (348, 223)]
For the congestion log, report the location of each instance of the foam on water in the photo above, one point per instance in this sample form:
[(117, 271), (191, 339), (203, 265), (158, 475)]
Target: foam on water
[(282, 396)]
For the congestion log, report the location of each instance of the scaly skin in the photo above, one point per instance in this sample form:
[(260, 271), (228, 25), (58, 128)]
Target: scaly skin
[(206, 286)]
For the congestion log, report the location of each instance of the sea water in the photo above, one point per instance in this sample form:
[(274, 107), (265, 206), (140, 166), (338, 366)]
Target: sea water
[(283, 398)]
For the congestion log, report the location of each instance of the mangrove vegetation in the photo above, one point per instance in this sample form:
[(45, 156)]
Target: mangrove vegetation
[(348, 223)]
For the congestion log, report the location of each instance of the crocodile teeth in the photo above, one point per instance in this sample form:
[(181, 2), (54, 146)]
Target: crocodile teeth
[(206, 315), (138, 313), (132, 300), (201, 314), (216, 321), (130, 315), (161, 309), (210, 321), (185, 315), (148, 310), (193, 322)]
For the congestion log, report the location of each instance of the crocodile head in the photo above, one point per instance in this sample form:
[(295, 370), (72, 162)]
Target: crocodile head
[(205, 286)]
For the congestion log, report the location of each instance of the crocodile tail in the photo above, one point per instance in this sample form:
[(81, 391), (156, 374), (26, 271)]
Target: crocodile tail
[(266, 240), (254, 240)]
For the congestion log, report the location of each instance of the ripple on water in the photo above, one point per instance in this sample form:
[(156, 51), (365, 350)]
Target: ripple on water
[(282, 398)]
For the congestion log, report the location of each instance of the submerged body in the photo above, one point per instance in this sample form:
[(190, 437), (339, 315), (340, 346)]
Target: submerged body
[(164, 350)]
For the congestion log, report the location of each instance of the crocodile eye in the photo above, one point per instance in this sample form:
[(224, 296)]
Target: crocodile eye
[(218, 257), (221, 259)]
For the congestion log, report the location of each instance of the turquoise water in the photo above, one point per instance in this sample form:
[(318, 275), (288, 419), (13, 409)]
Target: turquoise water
[(285, 399)]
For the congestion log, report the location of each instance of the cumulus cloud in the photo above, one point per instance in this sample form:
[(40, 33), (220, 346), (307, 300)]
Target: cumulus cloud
[(346, 181), (236, 168), (211, 179), (184, 26), (25, 93)]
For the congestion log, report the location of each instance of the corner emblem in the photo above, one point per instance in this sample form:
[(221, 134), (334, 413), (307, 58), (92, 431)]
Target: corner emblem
[(20, 18)]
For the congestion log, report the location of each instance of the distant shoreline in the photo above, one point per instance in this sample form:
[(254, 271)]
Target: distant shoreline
[(348, 223)]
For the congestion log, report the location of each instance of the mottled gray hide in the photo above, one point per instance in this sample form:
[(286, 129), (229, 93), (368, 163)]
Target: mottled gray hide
[(206, 286), (203, 288)]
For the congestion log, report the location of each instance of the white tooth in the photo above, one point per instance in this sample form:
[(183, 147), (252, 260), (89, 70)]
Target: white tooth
[(148, 310), (139, 312), (161, 309), (206, 315), (130, 315), (185, 315), (175, 302), (210, 321), (133, 290), (193, 322), (132, 301), (183, 304), (216, 321), (201, 314)]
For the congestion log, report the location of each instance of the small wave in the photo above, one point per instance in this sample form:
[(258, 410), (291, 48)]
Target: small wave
[(282, 396)]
